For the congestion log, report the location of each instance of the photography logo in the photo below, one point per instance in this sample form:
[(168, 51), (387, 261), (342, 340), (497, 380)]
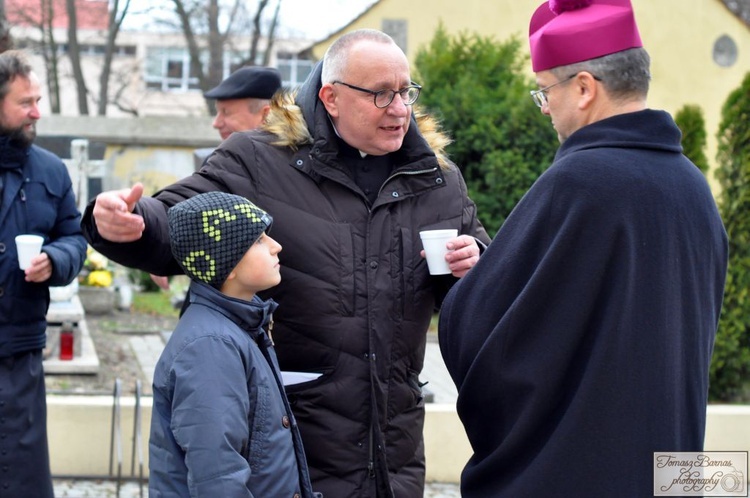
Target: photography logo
[(705, 473)]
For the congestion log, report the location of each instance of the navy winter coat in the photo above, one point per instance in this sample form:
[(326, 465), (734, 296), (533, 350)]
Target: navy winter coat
[(37, 198), (221, 425)]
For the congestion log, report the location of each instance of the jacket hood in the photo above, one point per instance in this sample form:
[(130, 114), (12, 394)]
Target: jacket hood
[(295, 115)]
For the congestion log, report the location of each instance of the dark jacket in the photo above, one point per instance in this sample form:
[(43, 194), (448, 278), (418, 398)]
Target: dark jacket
[(221, 425), (581, 341), (37, 198), (356, 297)]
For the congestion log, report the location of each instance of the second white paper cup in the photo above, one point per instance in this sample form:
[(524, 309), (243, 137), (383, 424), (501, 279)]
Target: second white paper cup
[(434, 243), (28, 246)]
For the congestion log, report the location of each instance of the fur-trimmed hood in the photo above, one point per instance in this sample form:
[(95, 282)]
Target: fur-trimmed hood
[(296, 115)]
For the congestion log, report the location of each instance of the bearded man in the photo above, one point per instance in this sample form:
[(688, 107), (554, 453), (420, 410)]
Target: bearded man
[(36, 197)]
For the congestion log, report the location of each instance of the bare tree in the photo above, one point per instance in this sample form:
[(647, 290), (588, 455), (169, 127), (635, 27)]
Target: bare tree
[(40, 15), (121, 78), (271, 37), (256, 30), (196, 19), (74, 52), (202, 20), (116, 18), (50, 54), (6, 42)]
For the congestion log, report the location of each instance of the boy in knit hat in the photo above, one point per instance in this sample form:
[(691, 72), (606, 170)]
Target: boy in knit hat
[(221, 423)]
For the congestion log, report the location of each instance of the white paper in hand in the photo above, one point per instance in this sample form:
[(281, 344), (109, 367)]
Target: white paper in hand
[(291, 378)]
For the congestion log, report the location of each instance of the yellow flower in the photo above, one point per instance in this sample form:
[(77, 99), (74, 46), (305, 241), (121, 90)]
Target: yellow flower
[(96, 261), (99, 278)]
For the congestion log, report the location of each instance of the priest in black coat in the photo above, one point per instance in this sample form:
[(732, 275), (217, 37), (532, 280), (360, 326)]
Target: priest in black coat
[(581, 341)]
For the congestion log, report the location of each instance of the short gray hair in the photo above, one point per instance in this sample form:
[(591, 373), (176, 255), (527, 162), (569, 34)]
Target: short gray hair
[(625, 74), (257, 105), (337, 56), (13, 63)]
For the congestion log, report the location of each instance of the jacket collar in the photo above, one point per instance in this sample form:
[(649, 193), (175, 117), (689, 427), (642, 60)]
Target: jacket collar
[(646, 129), (12, 154), (251, 316)]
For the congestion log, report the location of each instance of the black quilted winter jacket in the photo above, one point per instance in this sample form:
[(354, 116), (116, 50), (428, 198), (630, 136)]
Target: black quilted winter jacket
[(355, 299)]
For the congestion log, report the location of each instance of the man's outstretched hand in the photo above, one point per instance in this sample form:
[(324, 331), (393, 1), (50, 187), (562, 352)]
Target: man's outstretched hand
[(113, 214)]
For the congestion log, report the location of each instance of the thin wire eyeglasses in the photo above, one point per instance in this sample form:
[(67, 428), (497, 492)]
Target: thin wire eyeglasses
[(540, 96), (383, 98)]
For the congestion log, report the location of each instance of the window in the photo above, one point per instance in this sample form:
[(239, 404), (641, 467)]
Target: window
[(168, 69), (398, 29), (294, 71), (725, 51)]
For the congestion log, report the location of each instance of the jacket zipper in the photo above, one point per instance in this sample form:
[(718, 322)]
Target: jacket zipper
[(22, 194), (371, 464), (420, 172)]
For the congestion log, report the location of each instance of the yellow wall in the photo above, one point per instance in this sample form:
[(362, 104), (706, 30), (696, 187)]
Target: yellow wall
[(79, 428), (153, 166), (679, 35)]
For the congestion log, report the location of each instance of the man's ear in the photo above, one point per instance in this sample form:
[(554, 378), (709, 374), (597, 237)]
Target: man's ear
[(327, 95), (588, 89)]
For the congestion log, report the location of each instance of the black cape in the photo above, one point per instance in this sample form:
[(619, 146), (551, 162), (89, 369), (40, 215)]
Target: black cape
[(581, 341)]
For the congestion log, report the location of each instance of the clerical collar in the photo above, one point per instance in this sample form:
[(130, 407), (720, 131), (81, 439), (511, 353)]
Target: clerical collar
[(361, 154)]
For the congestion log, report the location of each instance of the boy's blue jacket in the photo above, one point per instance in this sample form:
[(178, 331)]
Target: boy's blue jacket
[(221, 424)]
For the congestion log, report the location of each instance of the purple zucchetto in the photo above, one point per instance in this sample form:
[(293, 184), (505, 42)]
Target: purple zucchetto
[(563, 32)]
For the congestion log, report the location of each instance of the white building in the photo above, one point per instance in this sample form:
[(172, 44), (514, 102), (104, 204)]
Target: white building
[(150, 71)]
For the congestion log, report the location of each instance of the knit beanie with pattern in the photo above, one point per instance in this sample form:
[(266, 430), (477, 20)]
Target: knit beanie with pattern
[(211, 232)]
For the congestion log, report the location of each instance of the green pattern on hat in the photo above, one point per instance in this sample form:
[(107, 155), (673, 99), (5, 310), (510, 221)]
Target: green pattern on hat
[(189, 266), (211, 232), (212, 218)]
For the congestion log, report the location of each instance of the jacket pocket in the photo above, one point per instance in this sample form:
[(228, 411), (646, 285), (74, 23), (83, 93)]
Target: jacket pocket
[(416, 387), (259, 424), (42, 205)]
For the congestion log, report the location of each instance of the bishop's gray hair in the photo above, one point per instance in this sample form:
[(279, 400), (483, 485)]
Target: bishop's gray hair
[(625, 74)]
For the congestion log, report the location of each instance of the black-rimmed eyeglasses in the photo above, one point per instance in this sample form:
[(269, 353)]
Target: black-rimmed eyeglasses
[(383, 98), (540, 96)]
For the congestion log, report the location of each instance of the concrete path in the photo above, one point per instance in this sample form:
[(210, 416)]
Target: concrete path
[(70, 488), (439, 382)]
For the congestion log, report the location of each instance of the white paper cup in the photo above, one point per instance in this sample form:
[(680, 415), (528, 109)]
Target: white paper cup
[(28, 246), (434, 243)]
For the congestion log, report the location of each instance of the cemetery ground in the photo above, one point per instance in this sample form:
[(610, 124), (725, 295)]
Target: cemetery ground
[(151, 313)]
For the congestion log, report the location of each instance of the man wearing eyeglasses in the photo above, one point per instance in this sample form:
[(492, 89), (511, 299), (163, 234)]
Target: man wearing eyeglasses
[(581, 341), (350, 178)]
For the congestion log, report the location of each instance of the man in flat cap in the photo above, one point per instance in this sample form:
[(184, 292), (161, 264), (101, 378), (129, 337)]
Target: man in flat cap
[(243, 99), (581, 341)]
